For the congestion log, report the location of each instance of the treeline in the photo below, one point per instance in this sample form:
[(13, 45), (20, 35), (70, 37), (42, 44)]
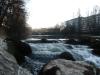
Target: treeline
[(48, 31)]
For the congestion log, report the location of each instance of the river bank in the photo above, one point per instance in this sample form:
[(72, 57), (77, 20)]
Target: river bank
[(8, 63)]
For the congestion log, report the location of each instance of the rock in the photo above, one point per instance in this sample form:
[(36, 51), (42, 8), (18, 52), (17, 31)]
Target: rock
[(67, 67), (95, 45), (96, 52), (96, 68), (96, 48), (44, 40), (71, 41), (19, 49), (66, 55), (74, 41), (97, 71), (69, 47), (8, 64)]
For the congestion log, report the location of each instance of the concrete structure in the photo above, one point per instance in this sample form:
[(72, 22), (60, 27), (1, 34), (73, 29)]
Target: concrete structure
[(84, 25)]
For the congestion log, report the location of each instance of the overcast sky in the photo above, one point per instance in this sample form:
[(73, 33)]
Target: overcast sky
[(47, 13)]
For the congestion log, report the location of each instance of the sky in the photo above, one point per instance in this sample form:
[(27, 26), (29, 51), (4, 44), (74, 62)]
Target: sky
[(48, 13)]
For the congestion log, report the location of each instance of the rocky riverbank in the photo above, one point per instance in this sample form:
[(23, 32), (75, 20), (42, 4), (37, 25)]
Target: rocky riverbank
[(66, 67), (8, 64)]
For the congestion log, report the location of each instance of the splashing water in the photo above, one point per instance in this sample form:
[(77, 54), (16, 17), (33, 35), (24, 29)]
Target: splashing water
[(42, 53)]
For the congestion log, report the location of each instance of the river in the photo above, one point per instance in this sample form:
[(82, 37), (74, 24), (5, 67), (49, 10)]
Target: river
[(42, 53)]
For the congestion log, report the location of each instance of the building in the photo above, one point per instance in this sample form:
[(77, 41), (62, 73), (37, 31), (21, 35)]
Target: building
[(84, 25)]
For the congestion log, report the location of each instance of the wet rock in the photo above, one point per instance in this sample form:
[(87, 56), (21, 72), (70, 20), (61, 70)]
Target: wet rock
[(97, 71), (96, 48), (18, 49), (75, 42), (44, 40), (66, 67), (66, 55), (81, 41), (95, 44), (71, 41), (69, 47), (8, 64), (96, 52)]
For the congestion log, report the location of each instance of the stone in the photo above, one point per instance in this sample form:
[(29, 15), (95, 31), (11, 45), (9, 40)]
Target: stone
[(96, 48), (44, 40), (71, 41), (67, 67), (19, 50), (8, 64), (97, 71), (96, 52), (66, 55)]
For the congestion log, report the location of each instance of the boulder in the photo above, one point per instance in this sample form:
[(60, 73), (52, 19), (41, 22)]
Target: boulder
[(96, 48), (44, 40), (71, 41), (66, 55), (96, 52), (8, 64), (18, 49), (69, 47), (67, 67), (97, 71)]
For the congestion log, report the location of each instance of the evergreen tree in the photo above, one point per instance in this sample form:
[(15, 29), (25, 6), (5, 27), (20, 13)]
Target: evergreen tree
[(12, 18)]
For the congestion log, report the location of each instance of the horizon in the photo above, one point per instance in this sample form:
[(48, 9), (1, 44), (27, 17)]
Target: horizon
[(48, 13)]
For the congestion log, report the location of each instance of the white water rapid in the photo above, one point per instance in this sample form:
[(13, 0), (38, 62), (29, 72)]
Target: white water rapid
[(44, 52)]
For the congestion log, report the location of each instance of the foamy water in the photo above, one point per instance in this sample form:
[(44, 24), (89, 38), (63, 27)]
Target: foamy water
[(42, 53)]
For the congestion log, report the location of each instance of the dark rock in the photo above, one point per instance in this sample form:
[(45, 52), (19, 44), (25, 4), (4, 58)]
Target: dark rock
[(51, 71), (66, 55), (8, 64), (69, 47), (97, 71), (44, 40), (96, 52), (19, 49), (66, 67), (74, 41), (80, 41), (95, 45), (71, 41), (96, 48), (84, 41)]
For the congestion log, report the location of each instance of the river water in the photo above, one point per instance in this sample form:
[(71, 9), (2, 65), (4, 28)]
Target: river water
[(42, 53)]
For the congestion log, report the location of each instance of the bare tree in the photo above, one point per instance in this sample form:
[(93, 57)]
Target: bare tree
[(94, 19), (79, 22)]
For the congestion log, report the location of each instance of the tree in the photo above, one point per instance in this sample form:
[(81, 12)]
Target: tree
[(13, 18), (94, 26), (79, 23)]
